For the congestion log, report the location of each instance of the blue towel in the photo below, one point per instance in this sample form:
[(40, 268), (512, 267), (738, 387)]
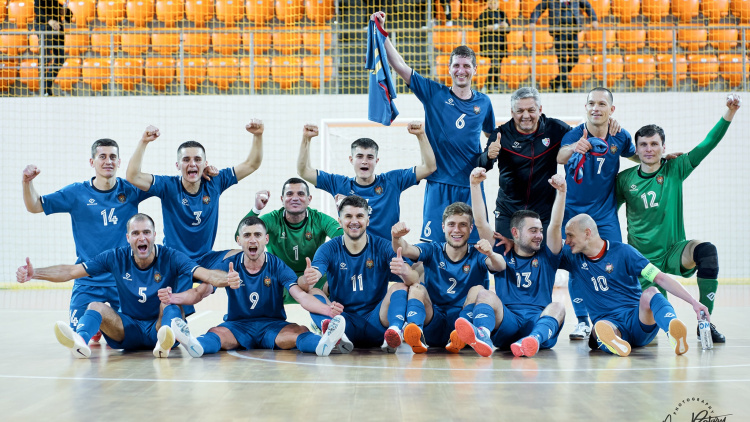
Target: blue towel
[(381, 107), (599, 147)]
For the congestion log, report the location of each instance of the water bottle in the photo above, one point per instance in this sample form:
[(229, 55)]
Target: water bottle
[(704, 327)]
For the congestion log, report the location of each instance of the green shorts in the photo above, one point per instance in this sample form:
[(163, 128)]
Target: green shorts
[(670, 263)]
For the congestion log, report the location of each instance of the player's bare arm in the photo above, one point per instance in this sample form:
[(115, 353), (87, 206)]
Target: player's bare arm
[(313, 305), (253, 160), (134, 174), (304, 169), (494, 261), (217, 278), (478, 175), (394, 58), (188, 297), (404, 270), (398, 231), (31, 198), (429, 164), (676, 288), (55, 273), (554, 230)]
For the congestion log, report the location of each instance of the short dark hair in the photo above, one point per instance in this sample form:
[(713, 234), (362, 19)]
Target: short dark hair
[(354, 201), (464, 51), (104, 142), (458, 208), (610, 97), (648, 131), (190, 144), (365, 143), (516, 220), (140, 217), (251, 221), (294, 181)]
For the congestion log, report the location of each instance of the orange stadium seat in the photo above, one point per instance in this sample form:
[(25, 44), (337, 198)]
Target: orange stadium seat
[(34, 43), (111, 12), (730, 68), (527, 7), (640, 69), (226, 43), (229, 11), (471, 10), (13, 44), (223, 71), (194, 71), (101, 42), (625, 9), (96, 73), (286, 70), (483, 71), (515, 71), (261, 41), (311, 70), (442, 67), (3, 10), (685, 10), (660, 39), (514, 41), (76, 42), (8, 73), (290, 11), (666, 68), (170, 11), (196, 42), (615, 68), (129, 72), (723, 39), (692, 39), (28, 74), (160, 72), (440, 11), (595, 39), (472, 39), (287, 42), (139, 12), (21, 12), (446, 38), (69, 74), (84, 11), (199, 11), (544, 40), (511, 8), (631, 40), (259, 12), (547, 69), (601, 7), (260, 73), (312, 41), (320, 11), (655, 10), (581, 72), (165, 42), (714, 10), (703, 68), (739, 8), (135, 41)]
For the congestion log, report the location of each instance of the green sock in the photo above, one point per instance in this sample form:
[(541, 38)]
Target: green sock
[(707, 290)]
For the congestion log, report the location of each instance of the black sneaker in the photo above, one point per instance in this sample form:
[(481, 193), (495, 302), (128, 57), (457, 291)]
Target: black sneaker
[(716, 336)]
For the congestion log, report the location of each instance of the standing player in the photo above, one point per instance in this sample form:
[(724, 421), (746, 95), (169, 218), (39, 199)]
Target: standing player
[(454, 273), (190, 206), (382, 191), (455, 117), (97, 211), (522, 314), (652, 193), (295, 231), (356, 264), (595, 194), (255, 317), (608, 273), (140, 270)]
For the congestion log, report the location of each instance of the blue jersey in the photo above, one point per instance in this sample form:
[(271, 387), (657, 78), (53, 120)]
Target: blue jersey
[(610, 284), (448, 282), (191, 220), (99, 219), (595, 195), (454, 128), (359, 282), (138, 288), (383, 196), (260, 295), (527, 281)]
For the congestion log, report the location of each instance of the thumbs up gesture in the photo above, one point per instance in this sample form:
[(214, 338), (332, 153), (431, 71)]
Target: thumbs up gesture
[(583, 145), (25, 272), (493, 150), (398, 266), (311, 274), (233, 277)]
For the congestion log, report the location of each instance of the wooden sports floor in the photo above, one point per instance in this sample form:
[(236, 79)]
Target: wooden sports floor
[(41, 381)]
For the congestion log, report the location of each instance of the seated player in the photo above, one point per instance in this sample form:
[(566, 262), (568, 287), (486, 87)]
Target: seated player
[(608, 271), (357, 265), (140, 270), (522, 315), (454, 273)]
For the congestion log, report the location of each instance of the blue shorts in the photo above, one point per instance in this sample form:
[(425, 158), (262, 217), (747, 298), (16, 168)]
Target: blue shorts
[(631, 328), (365, 330), (438, 332), (256, 333), (139, 334), (518, 324), (82, 295), (437, 196)]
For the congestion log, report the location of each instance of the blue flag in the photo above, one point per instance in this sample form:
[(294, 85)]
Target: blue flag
[(381, 107)]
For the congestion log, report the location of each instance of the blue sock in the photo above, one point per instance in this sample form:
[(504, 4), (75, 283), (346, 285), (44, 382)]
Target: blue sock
[(415, 312), (89, 324), (397, 309), (576, 297), (307, 342), (318, 318), (484, 316), (663, 311), (170, 312), (545, 328), (467, 312), (211, 343)]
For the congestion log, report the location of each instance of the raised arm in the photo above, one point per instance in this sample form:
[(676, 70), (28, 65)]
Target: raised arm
[(494, 261), (554, 230), (253, 160), (581, 146), (134, 174), (700, 152), (55, 273), (478, 175), (31, 198), (429, 165), (394, 58), (398, 231), (304, 169)]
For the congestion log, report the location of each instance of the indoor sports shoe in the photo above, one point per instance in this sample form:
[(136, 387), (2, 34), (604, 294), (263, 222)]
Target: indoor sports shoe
[(677, 336), (164, 342), (582, 332), (96, 338), (716, 336), (72, 340), (386, 348), (414, 337), (608, 340), (334, 330), (344, 346), (527, 346), (455, 344), (324, 326), (393, 337), (477, 338), (182, 334)]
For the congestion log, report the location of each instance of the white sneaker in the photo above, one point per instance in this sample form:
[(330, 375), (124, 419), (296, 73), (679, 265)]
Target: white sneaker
[(182, 334), (581, 332), (333, 334), (72, 340), (164, 342), (344, 346), (394, 337)]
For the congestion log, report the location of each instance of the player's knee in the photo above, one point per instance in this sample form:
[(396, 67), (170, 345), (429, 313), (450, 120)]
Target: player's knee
[(648, 294), (417, 291), (487, 296), (98, 306), (706, 258), (398, 286), (555, 309), (475, 290)]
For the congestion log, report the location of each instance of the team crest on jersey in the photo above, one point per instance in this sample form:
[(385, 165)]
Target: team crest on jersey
[(535, 263), (379, 190), (308, 235), (267, 281), (122, 198), (609, 268), (660, 180), (370, 263), (477, 109), (545, 142), (157, 277), (613, 149), (466, 268), (206, 199)]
